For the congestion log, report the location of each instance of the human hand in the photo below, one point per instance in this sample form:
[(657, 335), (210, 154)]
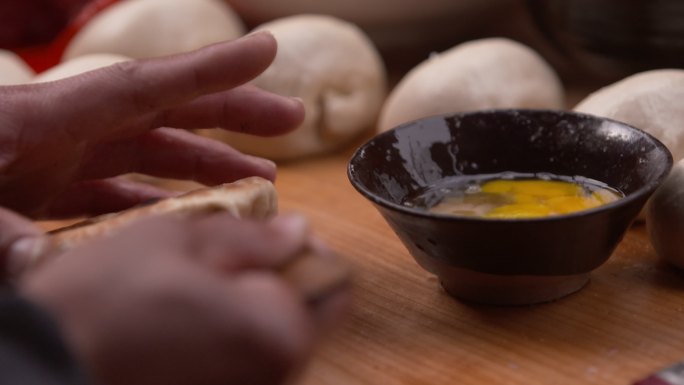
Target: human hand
[(62, 143), (185, 301)]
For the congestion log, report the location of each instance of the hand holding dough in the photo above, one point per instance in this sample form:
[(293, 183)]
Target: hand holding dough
[(150, 28), (481, 74), (314, 272), (336, 71)]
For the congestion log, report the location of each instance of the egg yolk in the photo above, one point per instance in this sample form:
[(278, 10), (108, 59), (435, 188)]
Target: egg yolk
[(540, 198), (511, 199)]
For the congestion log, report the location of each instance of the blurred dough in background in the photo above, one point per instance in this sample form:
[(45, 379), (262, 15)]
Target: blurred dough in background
[(337, 72), (13, 70), (78, 66), (480, 74), (149, 28), (651, 100)]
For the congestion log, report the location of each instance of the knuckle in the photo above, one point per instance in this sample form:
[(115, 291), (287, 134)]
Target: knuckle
[(128, 77)]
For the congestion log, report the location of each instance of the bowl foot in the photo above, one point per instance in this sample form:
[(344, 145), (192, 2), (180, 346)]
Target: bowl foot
[(492, 289)]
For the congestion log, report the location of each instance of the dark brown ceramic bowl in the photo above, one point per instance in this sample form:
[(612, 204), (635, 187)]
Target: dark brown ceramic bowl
[(510, 261)]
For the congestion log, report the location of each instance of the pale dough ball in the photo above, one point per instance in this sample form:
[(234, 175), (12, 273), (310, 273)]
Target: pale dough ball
[(665, 217), (78, 66), (651, 100), (149, 28), (481, 74), (13, 70), (337, 72)]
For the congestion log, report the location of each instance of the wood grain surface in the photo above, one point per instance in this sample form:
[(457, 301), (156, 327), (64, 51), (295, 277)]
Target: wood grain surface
[(403, 329)]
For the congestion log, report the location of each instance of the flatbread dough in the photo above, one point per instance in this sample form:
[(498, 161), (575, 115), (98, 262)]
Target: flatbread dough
[(314, 274), (252, 197)]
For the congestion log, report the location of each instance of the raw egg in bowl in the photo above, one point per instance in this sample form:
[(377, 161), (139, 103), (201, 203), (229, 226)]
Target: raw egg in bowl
[(510, 207)]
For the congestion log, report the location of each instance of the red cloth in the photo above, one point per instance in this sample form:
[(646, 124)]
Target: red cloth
[(39, 30)]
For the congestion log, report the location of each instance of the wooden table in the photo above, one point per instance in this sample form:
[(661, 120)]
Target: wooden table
[(404, 329)]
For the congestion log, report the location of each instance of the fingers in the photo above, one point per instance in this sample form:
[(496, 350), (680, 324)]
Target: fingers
[(94, 105), (284, 330), (281, 331), (246, 314), (255, 248), (245, 109), (20, 241), (173, 153), (230, 245), (96, 197)]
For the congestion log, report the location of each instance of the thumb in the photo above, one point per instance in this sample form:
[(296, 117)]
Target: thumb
[(21, 242)]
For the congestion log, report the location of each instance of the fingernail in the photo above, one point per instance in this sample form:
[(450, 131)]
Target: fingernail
[(259, 33), (269, 163), (262, 167), (298, 102), (24, 254), (291, 225), (320, 248)]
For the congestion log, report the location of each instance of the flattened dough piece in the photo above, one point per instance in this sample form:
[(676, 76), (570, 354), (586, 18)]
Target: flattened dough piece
[(252, 197), (313, 274)]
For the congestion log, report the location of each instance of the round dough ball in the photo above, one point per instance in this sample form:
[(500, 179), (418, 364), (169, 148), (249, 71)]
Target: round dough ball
[(650, 100), (13, 70), (337, 72), (481, 74), (665, 217), (78, 66), (148, 28)]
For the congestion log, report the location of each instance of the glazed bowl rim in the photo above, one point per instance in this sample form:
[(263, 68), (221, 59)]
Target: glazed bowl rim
[(646, 189)]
